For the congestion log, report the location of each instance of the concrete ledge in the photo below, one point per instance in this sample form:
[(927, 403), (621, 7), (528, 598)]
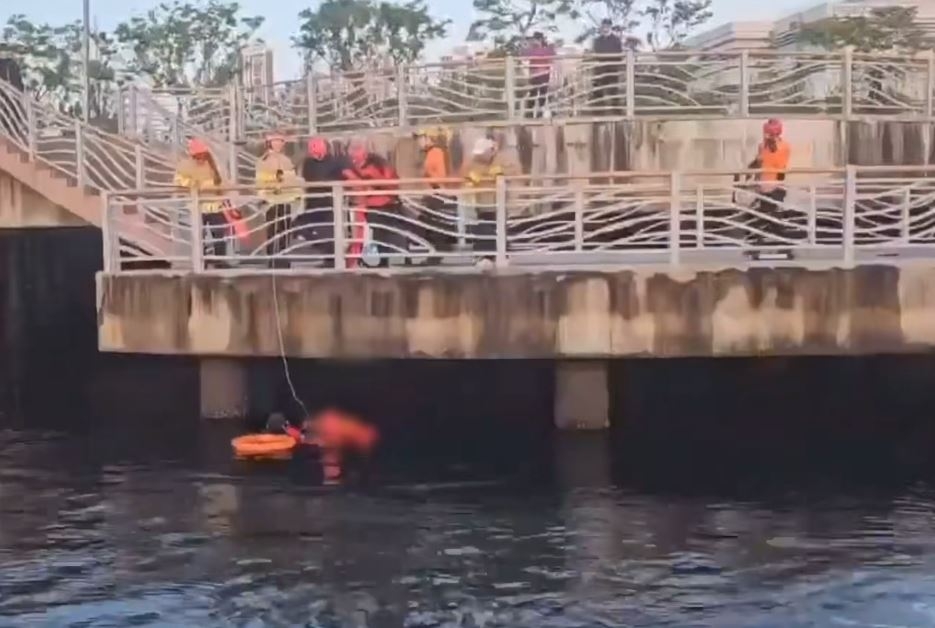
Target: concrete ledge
[(547, 314)]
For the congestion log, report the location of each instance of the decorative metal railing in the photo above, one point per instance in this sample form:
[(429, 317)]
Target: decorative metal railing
[(847, 216), (843, 85), (86, 155)]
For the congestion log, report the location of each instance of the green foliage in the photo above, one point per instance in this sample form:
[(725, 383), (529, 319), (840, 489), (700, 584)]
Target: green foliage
[(881, 29), (507, 23), (187, 43), (352, 33), (669, 22), (50, 58), (625, 14)]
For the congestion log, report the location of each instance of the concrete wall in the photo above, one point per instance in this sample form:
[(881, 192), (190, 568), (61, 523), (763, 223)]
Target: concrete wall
[(548, 314), (675, 145), (47, 314), (21, 206)]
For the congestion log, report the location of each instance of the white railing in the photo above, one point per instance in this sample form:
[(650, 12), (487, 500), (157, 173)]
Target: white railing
[(86, 155), (847, 216), (166, 119), (842, 85)]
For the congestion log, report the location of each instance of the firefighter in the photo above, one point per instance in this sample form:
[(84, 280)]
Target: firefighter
[(274, 170), (439, 216), (771, 162), (199, 173)]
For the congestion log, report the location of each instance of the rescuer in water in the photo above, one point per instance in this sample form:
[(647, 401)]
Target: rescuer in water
[(338, 436)]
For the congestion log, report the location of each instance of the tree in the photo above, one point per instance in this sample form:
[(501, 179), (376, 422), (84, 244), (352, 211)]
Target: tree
[(623, 13), (506, 23), (671, 21), (190, 43), (877, 83), (50, 60), (348, 34), (892, 29)]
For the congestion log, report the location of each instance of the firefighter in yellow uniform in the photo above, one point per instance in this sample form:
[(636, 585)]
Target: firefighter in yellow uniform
[(279, 187), (199, 173), (482, 170)]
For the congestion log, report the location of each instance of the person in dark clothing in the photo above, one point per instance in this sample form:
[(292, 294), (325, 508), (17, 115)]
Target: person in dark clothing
[(316, 222), (607, 74), (540, 57)]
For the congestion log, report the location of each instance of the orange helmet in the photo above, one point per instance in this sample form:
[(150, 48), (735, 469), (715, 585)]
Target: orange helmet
[(772, 127), (197, 147), (317, 148)]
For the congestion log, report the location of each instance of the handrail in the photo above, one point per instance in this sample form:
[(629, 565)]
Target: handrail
[(843, 216), (148, 121), (422, 184), (85, 154), (652, 85)]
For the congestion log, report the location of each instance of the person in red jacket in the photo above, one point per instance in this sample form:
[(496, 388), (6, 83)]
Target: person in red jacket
[(378, 208), (338, 436)]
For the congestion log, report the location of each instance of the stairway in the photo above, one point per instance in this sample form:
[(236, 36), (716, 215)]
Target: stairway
[(145, 119), (74, 165)]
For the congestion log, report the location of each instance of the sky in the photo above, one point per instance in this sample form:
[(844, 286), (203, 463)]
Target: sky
[(281, 24)]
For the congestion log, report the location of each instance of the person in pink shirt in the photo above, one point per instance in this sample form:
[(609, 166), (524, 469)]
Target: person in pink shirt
[(540, 56)]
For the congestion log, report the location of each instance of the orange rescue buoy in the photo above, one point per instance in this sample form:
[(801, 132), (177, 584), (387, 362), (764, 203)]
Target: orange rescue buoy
[(263, 446)]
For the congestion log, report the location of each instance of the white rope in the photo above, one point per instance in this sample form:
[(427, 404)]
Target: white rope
[(282, 349)]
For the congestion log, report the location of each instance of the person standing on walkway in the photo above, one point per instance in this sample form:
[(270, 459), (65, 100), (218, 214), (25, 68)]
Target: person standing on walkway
[(321, 166), (198, 172), (274, 171), (772, 162), (377, 227), (540, 56), (481, 172), (438, 217), (607, 75)]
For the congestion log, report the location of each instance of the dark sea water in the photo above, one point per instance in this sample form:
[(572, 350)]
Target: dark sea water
[(749, 493), (104, 524)]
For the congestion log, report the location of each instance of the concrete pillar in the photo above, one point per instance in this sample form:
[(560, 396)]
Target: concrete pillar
[(582, 396), (223, 388)]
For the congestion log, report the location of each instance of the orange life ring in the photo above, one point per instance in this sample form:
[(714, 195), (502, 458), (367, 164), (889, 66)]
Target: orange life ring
[(263, 445)]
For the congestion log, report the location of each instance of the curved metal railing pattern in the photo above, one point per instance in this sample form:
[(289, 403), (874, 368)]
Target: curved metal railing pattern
[(845, 216), (169, 118), (93, 159), (505, 91), (84, 154)]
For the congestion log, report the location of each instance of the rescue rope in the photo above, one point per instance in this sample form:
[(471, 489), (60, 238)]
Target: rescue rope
[(282, 349)]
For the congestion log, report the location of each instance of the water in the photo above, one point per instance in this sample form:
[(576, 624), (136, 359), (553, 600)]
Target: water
[(754, 493), (111, 526)]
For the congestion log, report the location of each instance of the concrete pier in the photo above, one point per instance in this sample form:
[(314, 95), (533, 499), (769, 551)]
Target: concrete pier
[(549, 314), (223, 386), (582, 398)]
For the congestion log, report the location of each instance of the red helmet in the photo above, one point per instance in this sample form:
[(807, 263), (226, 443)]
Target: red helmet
[(317, 148), (772, 127), (198, 147)]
